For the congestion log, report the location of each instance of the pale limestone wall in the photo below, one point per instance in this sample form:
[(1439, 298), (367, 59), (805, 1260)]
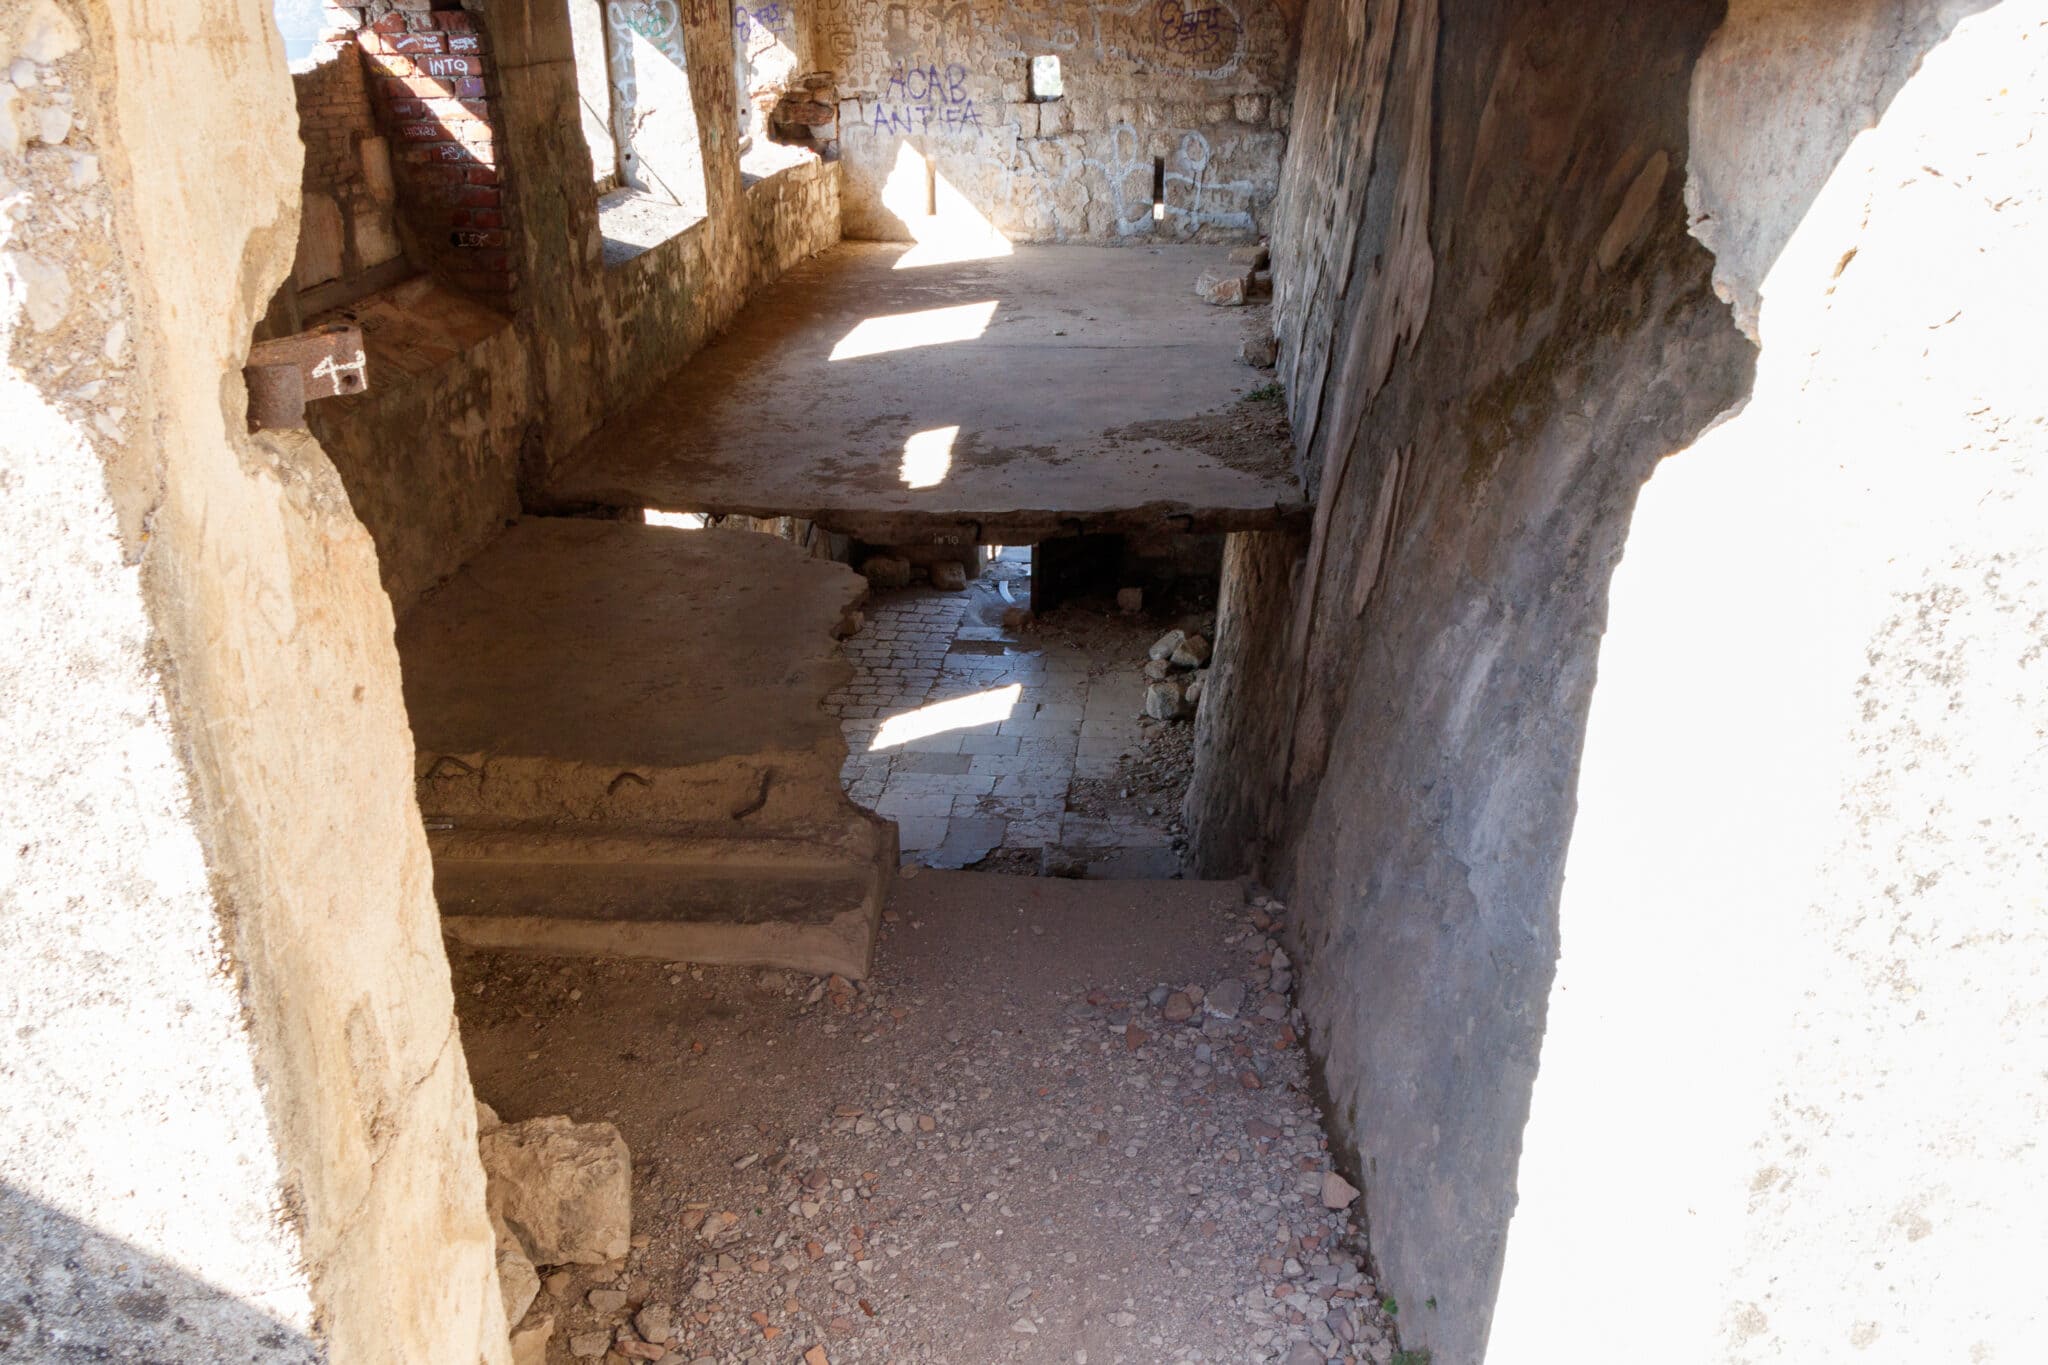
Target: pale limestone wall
[(933, 90), (1796, 1068), (236, 1120), (1672, 957)]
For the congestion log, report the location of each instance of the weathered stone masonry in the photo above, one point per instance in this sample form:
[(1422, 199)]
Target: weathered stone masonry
[(1180, 105)]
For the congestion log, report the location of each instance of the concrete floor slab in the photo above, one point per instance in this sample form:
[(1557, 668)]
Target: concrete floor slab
[(1055, 389)]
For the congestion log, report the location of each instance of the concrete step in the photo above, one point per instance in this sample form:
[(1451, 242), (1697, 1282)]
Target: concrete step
[(622, 749)]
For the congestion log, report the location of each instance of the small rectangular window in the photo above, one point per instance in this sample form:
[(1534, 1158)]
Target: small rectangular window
[(1045, 79)]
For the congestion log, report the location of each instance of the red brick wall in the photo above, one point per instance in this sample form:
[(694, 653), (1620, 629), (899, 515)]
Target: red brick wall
[(334, 113), (431, 84)]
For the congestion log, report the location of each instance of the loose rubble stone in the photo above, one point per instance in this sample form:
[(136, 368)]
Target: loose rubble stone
[(1191, 652), (1225, 998), (590, 1345), (1337, 1191), (1195, 689), (887, 571), (1130, 601), (654, 1322), (565, 1188), (1260, 351), (607, 1301), (518, 1281), (1254, 256), (949, 575), (530, 1340), (1224, 288), (1163, 701), (1163, 647)]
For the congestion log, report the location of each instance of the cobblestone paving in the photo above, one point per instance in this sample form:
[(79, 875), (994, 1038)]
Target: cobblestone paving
[(1012, 724)]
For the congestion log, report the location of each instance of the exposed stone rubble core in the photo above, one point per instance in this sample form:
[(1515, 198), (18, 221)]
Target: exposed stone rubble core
[(1062, 1117), (623, 748), (1038, 393)]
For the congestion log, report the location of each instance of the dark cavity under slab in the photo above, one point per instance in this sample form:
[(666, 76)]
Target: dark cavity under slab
[(1051, 391)]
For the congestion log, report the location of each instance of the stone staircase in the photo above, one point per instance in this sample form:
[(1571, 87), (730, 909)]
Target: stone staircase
[(622, 749)]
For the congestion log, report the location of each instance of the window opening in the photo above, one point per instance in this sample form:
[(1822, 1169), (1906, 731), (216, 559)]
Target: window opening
[(658, 149), (1046, 83), (593, 91)]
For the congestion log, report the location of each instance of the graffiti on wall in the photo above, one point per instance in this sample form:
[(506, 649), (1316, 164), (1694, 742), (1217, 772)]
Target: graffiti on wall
[(1122, 174), (767, 21), (924, 97)]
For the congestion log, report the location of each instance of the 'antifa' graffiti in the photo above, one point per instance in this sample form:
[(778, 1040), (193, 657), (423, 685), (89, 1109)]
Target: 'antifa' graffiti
[(925, 99), (770, 18)]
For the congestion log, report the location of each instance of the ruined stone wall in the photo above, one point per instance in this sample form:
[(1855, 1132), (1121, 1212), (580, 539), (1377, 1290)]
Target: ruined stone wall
[(1683, 962), (938, 121), (1493, 326), (235, 1121), (435, 460)]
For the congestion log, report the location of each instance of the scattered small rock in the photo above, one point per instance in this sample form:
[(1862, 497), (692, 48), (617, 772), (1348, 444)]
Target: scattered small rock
[(1337, 1191), (1130, 601), (949, 575)]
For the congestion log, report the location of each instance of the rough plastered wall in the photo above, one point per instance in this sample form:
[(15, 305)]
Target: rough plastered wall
[(235, 1121), (937, 120), (1805, 911), (436, 459), (1493, 326), (1663, 800)]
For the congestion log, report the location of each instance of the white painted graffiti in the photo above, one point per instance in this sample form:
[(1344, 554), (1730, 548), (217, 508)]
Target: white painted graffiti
[(333, 371)]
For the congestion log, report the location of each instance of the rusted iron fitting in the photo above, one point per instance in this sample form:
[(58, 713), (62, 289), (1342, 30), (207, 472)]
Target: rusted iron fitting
[(287, 373)]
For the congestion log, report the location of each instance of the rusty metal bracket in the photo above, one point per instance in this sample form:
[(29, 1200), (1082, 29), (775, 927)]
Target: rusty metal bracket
[(285, 374)]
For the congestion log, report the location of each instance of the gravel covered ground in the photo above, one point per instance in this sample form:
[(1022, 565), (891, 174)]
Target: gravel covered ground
[(1064, 1122)]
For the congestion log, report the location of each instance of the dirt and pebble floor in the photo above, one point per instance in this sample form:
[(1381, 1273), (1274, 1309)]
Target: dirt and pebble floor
[(1064, 1121)]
